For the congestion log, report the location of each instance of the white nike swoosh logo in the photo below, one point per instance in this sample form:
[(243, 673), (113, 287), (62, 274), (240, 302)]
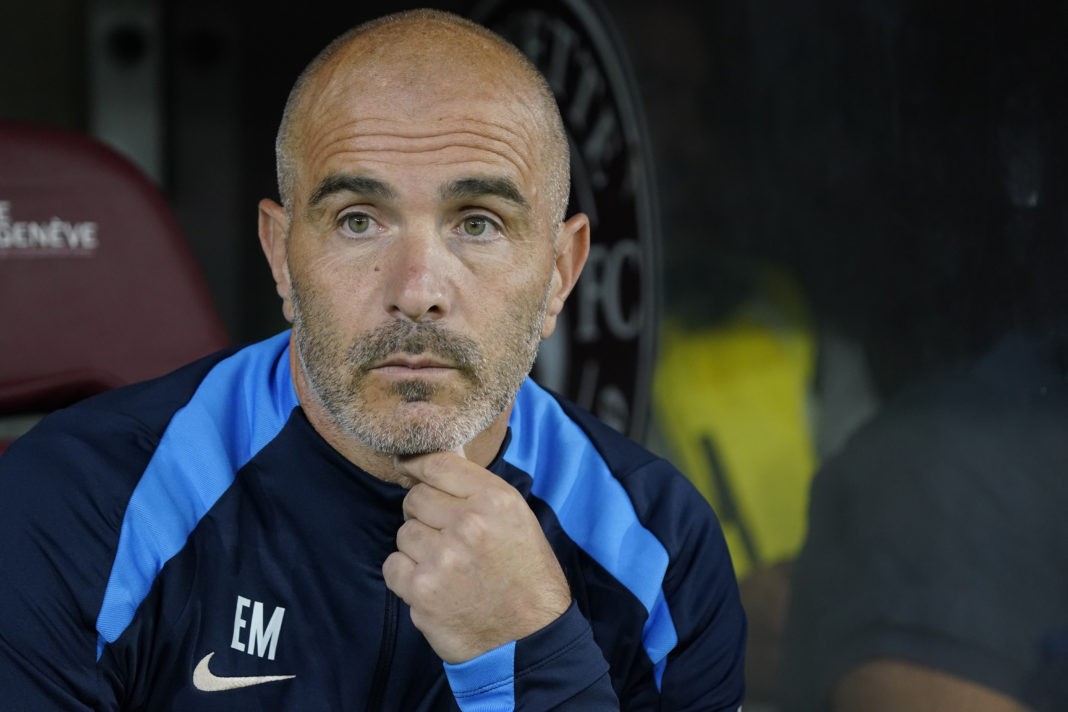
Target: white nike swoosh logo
[(206, 681)]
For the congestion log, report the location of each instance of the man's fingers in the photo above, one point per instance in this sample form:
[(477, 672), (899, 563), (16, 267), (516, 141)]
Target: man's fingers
[(452, 489), (446, 471), (472, 561), (415, 540), (431, 506), (398, 570)]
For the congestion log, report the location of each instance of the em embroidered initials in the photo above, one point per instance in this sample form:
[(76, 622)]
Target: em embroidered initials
[(261, 640)]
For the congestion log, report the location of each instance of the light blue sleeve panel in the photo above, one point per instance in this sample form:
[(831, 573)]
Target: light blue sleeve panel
[(240, 406)]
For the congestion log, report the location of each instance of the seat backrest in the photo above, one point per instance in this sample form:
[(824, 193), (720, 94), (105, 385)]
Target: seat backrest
[(98, 287)]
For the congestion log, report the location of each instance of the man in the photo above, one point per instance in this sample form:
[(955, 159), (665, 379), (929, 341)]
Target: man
[(926, 581), (377, 510), (934, 575)]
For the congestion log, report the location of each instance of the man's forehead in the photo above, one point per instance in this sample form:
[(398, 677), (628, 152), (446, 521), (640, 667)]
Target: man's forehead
[(445, 95), (439, 91), (451, 150), (436, 101)]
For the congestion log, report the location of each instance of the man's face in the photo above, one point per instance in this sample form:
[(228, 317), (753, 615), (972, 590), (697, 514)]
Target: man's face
[(420, 260), (407, 387)]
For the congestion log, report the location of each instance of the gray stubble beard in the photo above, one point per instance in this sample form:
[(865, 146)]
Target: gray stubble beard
[(339, 381)]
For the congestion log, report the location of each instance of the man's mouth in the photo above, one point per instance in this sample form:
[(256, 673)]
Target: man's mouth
[(414, 361), (410, 365), (402, 350)]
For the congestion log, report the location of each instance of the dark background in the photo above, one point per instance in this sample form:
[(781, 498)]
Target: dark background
[(903, 159)]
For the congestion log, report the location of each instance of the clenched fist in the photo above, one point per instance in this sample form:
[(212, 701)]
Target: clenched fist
[(471, 560)]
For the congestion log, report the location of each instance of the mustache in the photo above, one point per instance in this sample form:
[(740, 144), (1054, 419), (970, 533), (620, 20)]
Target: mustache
[(415, 338)]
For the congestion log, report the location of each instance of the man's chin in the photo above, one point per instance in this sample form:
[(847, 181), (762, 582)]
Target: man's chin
[(415, 391), (418, 441), (415, 428)]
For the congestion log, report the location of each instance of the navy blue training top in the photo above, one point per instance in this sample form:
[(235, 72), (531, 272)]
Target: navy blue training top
[(192, 543)]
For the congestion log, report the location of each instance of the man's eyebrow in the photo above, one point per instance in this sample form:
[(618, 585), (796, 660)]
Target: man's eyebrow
[(465, 188), (361, 185)]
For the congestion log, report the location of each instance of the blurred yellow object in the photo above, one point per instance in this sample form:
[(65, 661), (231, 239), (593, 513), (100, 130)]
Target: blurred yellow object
[(731, 404)]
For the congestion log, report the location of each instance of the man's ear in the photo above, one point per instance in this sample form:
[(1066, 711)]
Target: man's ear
[(572, 249), (274, 229)]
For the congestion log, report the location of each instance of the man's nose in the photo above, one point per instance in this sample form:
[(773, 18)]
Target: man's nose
[(418, 285)]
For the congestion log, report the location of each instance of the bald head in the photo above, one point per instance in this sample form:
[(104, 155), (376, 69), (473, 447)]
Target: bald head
[(424, 51)]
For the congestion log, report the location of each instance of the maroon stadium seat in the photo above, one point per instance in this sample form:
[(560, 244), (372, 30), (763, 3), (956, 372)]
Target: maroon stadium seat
[(98, 287)]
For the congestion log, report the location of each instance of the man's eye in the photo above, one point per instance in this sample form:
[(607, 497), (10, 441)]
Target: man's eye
[(479, 227), (475, 226), (357, 223)]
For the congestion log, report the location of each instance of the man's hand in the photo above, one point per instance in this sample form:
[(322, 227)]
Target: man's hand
[(471, 559)]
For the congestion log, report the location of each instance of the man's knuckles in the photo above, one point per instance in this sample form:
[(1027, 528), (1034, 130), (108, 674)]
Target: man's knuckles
[(418, 499), (473, 531), (397, 571), (413, 539)]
